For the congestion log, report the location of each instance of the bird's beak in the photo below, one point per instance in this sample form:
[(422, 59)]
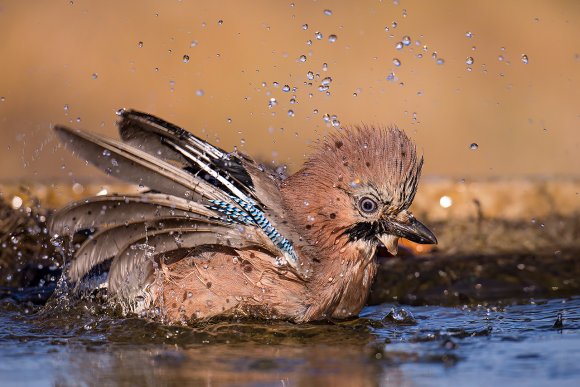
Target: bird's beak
[(410, 229)]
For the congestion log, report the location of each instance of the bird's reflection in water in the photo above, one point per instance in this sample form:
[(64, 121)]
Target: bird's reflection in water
[(225, 364)]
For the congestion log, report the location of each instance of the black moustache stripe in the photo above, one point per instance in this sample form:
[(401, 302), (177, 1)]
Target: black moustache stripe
[(367, 231)]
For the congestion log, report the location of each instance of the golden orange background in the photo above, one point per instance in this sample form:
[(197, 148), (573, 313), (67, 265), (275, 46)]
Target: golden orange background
[(87, 55)]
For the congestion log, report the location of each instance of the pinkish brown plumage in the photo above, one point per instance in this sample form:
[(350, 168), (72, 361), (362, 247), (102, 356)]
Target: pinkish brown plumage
[(221, 236)]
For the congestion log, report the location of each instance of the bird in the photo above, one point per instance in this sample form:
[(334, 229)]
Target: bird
[(214, 234)]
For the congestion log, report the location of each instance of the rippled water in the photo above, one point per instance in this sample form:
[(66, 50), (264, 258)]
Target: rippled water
[(511, 345)]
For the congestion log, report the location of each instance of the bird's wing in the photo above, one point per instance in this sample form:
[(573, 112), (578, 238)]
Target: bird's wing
[(172, 144), (135, 166), (134, 231), (254, 191), (201, 194)]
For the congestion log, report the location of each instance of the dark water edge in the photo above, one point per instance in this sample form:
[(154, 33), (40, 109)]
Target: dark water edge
[(516, 344)]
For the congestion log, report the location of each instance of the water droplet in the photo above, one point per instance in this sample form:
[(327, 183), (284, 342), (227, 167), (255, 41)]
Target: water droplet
[(286, 88), (290, 113), (17, 202), (302, 58), (394, 24), (406, 40), (66, 107), (400, 316), (220, 22), (469, 34), (140, 44), (327, 12), (272, 102), (56, 240), (78, 188), (185, 58), (332, 38), (396, 62), (399, 45), (318, 35), (525, 59), (391, 77), (473, 146), (445, 201), (326, 81), (305, 27), (95, 75), (199, 92), (106, 152), (310, 75), (469, 61), (325, 67), (440, 61), (500, 58), (193, 43)]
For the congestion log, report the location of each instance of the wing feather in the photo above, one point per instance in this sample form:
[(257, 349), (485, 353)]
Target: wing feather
[(135, 166), (110, 211), (176, 145), (132, 266), (109, 242)]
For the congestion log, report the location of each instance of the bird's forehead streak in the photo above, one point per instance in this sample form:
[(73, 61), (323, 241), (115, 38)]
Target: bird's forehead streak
[(367, 188)]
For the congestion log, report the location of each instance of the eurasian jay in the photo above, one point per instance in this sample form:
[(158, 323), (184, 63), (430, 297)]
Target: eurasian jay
[(219, 235)]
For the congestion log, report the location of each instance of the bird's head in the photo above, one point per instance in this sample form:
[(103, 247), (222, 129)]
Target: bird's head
[(360, 184)]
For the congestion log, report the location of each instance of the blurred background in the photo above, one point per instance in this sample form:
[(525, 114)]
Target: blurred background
[(487, 89)]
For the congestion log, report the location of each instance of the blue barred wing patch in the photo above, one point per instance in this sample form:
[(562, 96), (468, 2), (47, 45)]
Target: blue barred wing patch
[(248, 214)]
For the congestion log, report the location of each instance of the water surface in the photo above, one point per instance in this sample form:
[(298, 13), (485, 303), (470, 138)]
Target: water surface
[(514, 344)]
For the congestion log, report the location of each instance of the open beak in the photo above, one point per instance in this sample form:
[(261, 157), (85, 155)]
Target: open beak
[(411, 229), (414, 231)]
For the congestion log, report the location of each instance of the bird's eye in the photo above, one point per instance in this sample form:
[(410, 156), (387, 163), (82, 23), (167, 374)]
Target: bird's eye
[(367, 205)]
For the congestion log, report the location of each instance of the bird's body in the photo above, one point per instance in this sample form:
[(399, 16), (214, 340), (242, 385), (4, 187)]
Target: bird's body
[(219, 235)]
